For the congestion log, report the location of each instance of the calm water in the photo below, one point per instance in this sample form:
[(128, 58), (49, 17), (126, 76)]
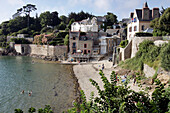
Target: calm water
[(50, 84)]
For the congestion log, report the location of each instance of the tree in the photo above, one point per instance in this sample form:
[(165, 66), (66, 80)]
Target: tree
[(27, 10), (62, 26), (45, 19), (70, 22), (66, 40), (111, 19), (161, 25), (79, 16), (55, 19), (64, 19)]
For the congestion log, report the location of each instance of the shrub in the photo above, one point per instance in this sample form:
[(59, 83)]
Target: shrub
[(20, 41), (45, 29), (143, 34), (149, 54), (165, 57), (123, 43), (114, 98)]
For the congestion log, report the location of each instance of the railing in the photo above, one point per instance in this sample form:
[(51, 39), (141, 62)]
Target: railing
[(84, 55)]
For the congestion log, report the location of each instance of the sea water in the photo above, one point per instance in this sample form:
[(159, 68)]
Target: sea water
[(50, 83)]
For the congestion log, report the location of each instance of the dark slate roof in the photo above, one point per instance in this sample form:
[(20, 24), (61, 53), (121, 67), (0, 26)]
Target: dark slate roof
[(139, 15), (101, 19), (84, 38)]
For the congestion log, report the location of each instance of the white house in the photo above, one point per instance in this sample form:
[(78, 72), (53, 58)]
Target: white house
[(140, 20), (88, 25)]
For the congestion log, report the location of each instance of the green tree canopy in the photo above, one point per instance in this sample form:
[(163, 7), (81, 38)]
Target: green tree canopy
[(79, 16), (111, 19), (162, 25), (49, 19)]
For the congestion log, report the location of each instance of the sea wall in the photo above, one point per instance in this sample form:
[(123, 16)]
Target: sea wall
[(44, 50)]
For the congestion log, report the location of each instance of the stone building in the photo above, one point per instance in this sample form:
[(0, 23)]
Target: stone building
[(90, 45), (140, 20)]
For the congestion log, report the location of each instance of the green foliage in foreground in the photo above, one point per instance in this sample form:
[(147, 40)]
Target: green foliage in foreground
[(47, 109), (151, 55), (116, 98)]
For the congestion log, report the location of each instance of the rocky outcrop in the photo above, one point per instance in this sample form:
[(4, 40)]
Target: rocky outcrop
[(9, 52), (49, 58)]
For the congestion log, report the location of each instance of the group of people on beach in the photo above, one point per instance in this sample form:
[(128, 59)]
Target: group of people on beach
[(29, 93)]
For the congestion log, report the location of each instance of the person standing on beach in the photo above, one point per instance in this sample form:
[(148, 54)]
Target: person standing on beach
[(102, 66)]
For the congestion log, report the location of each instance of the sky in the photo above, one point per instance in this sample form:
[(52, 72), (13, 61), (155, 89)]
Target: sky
[(121, 8)]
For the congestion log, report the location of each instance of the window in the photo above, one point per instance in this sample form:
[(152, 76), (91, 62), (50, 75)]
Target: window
[(85, 51), (88, 51), (85, 45), (74, 45), (143, 27), (74, 38), (130, 29), (135, 28), (74, 51)]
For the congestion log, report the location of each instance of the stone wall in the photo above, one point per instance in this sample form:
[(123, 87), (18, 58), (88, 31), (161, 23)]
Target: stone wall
[(137, 40), (160, 42), (41, 50), (125, 53), (149, 72)]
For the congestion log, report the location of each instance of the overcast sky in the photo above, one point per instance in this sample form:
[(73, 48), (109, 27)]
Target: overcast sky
[(121, 8)]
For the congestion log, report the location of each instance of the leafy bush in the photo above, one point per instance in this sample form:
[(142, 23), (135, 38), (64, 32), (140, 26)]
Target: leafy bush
[(45, 29), (120, 99), (151, 55), (20, 41), (143, 34), (165, 57), (123, 43)]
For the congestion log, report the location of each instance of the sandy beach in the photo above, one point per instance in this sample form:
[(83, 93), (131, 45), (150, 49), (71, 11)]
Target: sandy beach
[(85, 71)]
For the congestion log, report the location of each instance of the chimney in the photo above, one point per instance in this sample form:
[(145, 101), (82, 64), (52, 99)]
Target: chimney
[(145, 12), (155, 13)]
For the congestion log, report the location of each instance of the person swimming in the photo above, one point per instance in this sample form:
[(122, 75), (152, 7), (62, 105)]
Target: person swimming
[(22, 92), (29, 94)]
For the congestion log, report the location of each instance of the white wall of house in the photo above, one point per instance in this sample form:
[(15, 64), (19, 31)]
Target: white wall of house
[(103, 46), (84, 28)]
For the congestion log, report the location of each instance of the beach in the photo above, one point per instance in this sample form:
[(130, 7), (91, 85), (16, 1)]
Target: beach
[(87, 71)]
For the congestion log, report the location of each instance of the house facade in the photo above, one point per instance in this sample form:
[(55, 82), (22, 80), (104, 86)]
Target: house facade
[(140, 20)]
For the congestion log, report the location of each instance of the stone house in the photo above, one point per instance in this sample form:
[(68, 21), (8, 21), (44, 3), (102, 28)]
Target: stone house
[(90, 45), (140, 20)]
